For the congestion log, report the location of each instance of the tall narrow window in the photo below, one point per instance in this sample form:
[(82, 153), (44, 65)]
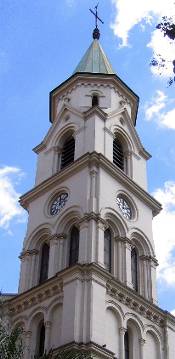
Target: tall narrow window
[(95, 101), (44, 263), (126, 343), (134, 268), (41, 339), (118, 155), (107, 249), (68, 151), (74, 246)]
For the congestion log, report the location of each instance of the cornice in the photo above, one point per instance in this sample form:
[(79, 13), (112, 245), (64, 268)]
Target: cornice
[(36, 295), (91, 348), (115, 290), (87, 160)]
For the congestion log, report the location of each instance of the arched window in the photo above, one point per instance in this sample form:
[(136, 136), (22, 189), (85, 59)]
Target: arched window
[(107, 249), (74, 246), (41, 339), (68, 151), (44, 263), (134, 268), (95, 100), (118, 155), (126, 344)]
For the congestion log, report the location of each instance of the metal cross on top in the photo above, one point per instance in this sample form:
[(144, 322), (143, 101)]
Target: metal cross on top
[(96, 32)]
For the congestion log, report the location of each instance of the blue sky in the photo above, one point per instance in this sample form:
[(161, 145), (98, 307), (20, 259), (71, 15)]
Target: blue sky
[(41, 43)]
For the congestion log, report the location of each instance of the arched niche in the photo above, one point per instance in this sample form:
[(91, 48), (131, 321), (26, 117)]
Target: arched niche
[(112, 330), (134, 334), (55, 317)]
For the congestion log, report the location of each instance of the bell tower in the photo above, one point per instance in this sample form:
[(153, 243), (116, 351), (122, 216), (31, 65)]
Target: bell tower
[(88, 265)]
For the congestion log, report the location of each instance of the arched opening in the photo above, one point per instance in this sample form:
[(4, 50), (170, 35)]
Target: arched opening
[(44, 263), (126, 345), (134, 268), (41, 339), (118, 154), (68, 152), (95, 100), (107, 249), (74, 246)]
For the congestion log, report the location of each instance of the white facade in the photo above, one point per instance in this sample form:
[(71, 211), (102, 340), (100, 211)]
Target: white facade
[(85, 305)]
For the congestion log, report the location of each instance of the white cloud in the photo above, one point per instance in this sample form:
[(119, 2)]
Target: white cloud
[(9, 207), (155, 110), (157, 104), (168, 119), (129, 14), (164, 235), (173, 312), (144, 12), (166, 48), (70, 3)]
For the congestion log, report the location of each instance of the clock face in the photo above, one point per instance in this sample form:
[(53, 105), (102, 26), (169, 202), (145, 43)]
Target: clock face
[(58, 203), (124, 207)]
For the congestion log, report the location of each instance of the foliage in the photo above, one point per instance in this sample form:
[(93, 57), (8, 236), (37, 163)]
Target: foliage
[(10, 343), (168, 28)]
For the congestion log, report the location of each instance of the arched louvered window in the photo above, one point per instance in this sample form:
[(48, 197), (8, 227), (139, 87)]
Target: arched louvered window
[(95, 100), (134, 268), (68, 151), (118, 155), (74, 246), (107, 249), (41, 339), (44, 263), (126, 344)]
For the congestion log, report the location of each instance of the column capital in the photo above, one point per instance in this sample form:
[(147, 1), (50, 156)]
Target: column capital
[(57, 236), (28, 334), (48, 324), (28, 252), (123, 239), (122, 330), (142, 341)]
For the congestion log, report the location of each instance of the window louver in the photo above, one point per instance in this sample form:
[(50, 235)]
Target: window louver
[(118, 156), (68, 153)]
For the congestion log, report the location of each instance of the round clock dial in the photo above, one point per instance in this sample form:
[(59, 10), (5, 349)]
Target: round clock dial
[(58, 203), (124, 207)]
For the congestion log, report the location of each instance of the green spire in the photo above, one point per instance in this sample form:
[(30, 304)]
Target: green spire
[(95, 60)]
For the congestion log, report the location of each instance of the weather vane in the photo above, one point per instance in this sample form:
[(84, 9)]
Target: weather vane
[(96, 32)]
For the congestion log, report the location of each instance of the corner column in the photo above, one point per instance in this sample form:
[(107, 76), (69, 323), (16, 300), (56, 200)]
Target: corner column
[(27, 345), (142, 343), (53, 256), (122, 342), (128, 275), (48, 325)]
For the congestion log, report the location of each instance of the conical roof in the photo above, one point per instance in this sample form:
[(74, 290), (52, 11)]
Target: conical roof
[(95, 60)]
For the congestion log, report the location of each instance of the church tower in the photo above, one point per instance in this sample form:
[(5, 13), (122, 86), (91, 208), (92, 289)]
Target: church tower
[(88, 265)]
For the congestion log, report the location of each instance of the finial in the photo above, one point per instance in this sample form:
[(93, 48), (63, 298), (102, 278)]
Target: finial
[(96, 32)]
